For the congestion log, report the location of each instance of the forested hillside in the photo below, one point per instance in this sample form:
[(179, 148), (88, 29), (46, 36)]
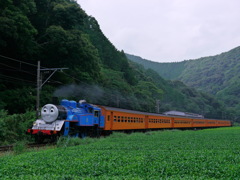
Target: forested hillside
[(218, 75), (60, 34), (166, 70)]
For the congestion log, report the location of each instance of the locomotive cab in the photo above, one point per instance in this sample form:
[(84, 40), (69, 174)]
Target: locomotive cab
[(92, 113)]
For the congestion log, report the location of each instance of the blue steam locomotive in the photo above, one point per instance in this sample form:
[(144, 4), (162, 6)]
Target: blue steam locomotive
[(68, 119)]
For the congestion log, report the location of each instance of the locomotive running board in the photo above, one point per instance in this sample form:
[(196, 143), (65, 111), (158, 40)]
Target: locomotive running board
[(41, 125)]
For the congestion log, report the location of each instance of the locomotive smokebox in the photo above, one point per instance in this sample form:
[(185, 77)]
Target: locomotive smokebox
[(51, 112)]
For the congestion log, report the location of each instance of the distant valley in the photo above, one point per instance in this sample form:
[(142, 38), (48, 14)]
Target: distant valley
[(218, 75)]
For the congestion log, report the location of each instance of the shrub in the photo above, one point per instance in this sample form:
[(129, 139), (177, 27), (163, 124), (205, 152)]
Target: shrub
[(13, 127)]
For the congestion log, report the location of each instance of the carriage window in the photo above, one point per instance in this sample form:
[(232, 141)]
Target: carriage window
[(90, 110), (96, 113)]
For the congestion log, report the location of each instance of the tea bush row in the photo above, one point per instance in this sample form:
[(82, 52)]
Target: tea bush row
[(205, 154)]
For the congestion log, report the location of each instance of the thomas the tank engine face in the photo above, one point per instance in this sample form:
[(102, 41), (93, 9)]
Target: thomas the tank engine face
[(49, 113)]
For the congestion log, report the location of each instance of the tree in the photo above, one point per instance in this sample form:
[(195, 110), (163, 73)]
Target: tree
[(17, 32)]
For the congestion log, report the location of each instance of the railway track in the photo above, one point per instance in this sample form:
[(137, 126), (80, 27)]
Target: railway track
[(6, 148), (31, 145)]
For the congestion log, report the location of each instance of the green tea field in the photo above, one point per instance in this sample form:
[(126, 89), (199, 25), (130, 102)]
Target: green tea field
[(173, 154)]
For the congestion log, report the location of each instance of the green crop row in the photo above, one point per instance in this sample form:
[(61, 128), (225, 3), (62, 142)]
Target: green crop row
[(205, 154)]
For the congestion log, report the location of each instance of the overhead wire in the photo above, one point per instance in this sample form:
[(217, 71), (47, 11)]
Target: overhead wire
[(16, 79), (19, 61), (9, 58), (71, 76), (17, 69)]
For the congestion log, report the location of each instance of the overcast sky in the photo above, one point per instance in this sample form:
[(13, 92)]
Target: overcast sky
[(168, 30)]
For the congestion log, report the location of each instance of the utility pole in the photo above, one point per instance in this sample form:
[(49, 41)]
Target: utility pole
[(117, 101), (157, 106), (38, 89), (40, 84)]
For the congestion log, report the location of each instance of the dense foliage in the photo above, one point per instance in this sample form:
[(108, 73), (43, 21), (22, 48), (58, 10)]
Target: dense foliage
[(60, 34), (205, 154), (13, 127), (217, 75)]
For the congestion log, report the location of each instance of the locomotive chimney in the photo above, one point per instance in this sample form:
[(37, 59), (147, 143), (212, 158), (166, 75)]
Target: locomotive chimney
[(55, 100)]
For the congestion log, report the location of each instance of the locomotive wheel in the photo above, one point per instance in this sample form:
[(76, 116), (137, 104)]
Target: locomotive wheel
[(74, 131), (54, 138), (39, 138), (95, 132)]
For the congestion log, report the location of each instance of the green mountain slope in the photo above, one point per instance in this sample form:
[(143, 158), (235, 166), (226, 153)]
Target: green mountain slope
[(166, 70), (218, 75), (177, 95), (213, 74)]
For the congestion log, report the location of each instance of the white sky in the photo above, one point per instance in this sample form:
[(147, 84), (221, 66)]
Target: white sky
[(168, 30)]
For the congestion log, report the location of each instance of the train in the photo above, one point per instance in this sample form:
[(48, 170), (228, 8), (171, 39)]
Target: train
[(82, 119)]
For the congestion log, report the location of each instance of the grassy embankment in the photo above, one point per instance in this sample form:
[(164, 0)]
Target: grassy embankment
[(205, 154)]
